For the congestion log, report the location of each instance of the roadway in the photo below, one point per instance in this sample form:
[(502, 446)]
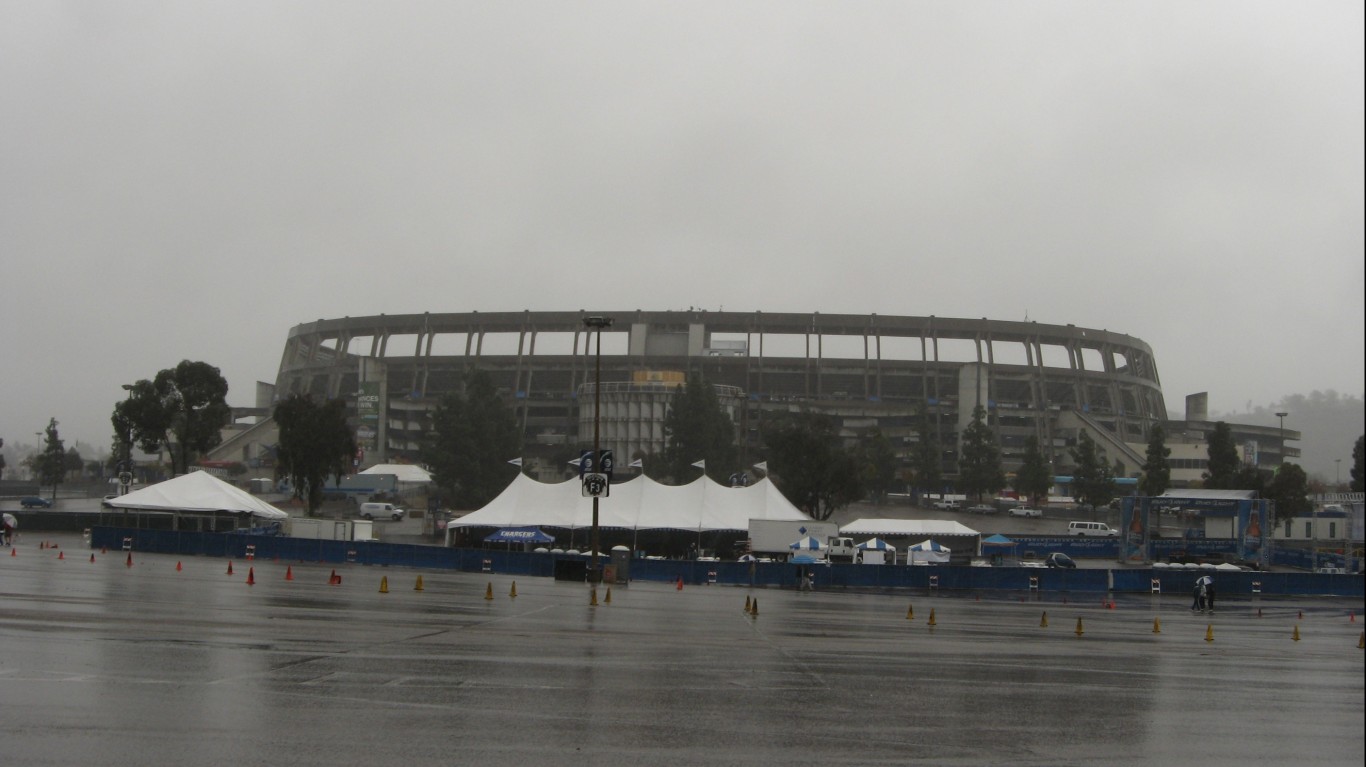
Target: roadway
[(171, 660)]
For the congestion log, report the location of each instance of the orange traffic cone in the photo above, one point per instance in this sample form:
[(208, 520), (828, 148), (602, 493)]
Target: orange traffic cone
[(680, 583), (130, 559), (334, 580), (251, 576), (92, 557), (229, 567), (289, 573), (177, 567), (61, 555), (15, 552)]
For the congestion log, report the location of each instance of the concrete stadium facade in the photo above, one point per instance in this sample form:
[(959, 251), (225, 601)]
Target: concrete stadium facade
[(866, 371)]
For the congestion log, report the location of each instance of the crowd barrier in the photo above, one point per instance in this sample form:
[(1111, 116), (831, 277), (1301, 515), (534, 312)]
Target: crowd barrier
[(768, 574)]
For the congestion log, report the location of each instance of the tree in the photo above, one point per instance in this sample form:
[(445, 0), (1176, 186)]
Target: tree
[(1223, 458), (926, 458), (182, 410), (979, 466), (72, 461), (810, 465), (2, 459), (473, 436), (1093, 478), (1157, 472), (1289, 488), (1033, 478), (696, 427), (1358, 464), (50, 464), (315, 443), (879, 462)]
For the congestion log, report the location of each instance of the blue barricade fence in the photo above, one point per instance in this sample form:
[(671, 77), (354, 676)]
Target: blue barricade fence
[(693, 572)]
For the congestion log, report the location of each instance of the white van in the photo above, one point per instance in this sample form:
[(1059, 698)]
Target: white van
[(372, 510), (1090, 528)]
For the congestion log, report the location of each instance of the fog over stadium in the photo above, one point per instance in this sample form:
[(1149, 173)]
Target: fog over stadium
[(190, 181)]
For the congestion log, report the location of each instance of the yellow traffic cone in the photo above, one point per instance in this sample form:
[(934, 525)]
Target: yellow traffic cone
[(754, 608), (1361, 642), (1209, 632), (910, 612), (384, 585), (418, 585), (1296, 636), (746, 603), (1157, 625), (488, 592), (513, 592), (607, 598), (593, 602), (1043, 622), (1080, 630), (932, 622)]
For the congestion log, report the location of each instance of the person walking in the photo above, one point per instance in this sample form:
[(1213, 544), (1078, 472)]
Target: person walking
[(1198, 594), (1209, 593)]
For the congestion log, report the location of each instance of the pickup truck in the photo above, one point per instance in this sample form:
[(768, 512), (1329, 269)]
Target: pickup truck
[(946, 505), (981, 508), (1025, 511)]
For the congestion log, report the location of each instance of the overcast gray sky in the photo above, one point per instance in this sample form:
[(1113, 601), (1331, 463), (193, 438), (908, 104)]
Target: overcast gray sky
[(189, 180)]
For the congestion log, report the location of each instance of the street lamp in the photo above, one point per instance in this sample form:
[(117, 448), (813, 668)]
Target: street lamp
[(1282, 416), (598, 323), (1337, 482), (126, 470)]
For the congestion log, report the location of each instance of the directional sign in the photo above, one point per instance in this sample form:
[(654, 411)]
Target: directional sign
[(585, 463), (596, 486), (606, 462)]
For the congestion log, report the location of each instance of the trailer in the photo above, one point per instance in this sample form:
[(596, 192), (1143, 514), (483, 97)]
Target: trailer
[(774, 538)]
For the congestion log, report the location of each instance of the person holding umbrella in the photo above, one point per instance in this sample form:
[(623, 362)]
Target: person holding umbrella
[(10, 524)]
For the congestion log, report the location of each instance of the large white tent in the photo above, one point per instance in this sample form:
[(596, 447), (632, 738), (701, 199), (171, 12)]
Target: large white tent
[(198, 491), (909, 527), (637, 504)]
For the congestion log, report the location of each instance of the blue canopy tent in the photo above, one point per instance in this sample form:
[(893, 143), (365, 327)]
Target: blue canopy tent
[(996, 546), (522, 535)]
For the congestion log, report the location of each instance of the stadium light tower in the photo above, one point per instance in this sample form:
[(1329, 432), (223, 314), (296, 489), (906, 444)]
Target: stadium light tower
[(598, 323)]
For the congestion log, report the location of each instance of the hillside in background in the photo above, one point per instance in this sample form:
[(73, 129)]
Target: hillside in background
[(1328, 422)]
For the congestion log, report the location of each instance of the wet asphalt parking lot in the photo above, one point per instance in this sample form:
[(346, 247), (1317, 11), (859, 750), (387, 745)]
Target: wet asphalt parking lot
[(103, 663)]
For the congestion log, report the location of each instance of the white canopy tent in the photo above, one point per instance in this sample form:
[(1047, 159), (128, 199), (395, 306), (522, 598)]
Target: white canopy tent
[(404, 472), (197, 493), (927, 552), (636, 504)]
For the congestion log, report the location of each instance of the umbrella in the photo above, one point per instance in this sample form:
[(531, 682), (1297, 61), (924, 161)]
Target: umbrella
[(11, 521)]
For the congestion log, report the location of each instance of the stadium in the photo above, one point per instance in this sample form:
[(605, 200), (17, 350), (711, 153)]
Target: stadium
[(865, 371)]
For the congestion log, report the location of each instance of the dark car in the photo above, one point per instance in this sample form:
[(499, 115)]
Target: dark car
[(34, 502), (1058, 559)]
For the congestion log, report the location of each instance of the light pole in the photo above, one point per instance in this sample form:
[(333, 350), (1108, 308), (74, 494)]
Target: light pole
[(598, 323), (1282, 416), (126, 432), (1337, 481)]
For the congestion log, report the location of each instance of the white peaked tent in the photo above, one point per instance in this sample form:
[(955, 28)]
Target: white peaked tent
[(927, 552), (639, 503), (198, 491)]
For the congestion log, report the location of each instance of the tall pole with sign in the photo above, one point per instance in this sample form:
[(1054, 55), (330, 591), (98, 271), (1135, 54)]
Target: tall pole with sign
[(597, 323)]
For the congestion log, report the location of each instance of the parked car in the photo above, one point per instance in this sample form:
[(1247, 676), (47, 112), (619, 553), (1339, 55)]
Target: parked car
[(946, 505), (34, 502), (1026, 511), (1060, 560), (981, 508)]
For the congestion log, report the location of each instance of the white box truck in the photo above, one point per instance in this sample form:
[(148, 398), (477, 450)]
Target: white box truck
[(773, 538)]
